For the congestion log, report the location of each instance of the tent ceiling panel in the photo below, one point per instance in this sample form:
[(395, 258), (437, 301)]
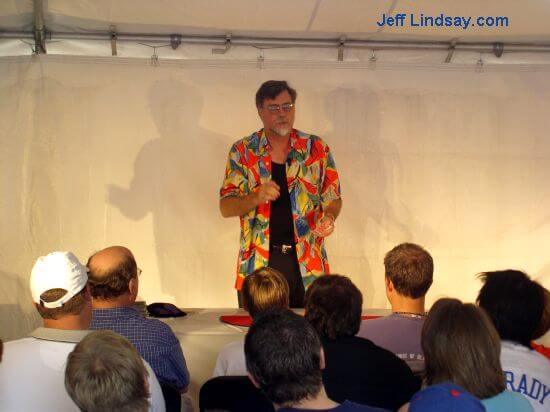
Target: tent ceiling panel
[(167, 16), (528, 20), (16, 15)]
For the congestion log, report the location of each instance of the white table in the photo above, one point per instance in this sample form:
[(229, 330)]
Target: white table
[(202, 335)]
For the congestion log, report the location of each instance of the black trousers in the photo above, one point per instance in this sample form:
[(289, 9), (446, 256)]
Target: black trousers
[(287, 264)]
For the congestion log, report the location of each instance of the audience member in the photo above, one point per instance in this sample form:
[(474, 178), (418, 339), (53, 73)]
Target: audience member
[(32, 372), (114, 280), (461, 346), (446, 397), (265, 288), (355, 368), (284, 358), (408, 276), (105, 373), (517, 307)]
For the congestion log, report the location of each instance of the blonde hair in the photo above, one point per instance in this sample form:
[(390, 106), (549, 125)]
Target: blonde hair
[(265, 288)]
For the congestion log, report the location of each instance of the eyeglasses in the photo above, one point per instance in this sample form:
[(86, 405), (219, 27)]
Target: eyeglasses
[(276, 108), (139, 271)]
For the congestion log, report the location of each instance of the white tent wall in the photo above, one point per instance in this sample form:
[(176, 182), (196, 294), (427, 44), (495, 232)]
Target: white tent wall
[(100, 151)]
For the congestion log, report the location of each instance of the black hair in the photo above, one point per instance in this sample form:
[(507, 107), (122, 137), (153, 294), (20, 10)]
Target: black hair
[(514, 303), (283, 355), (333, 306)]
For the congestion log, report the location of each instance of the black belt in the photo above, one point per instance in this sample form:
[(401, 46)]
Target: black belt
[(283, 249)]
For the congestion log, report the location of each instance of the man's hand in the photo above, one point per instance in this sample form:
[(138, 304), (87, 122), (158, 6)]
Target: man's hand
[(238, 206), (325, 225), (268, 192)]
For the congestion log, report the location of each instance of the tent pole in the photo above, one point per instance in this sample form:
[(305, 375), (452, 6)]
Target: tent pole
[(39, 30)]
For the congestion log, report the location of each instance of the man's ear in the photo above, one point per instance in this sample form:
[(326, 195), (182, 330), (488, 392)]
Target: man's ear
[(322, 359), (133, 286), (389, 284), (254, 382)]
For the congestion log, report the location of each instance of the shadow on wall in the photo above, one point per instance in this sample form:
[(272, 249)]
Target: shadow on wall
[(177, 178), (367, 180), (374, 215), (19, 318)]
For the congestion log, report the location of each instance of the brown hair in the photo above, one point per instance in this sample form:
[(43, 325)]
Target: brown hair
[(72, 307), (105, 373), (333, 306), (271, 89), (265, 288), (113, 282), (462, 346), (410, 268)]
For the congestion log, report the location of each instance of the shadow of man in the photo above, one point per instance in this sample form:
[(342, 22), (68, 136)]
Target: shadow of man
[(176, 178)]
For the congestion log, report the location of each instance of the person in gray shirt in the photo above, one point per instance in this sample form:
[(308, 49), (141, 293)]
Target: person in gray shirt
[(408, 276)]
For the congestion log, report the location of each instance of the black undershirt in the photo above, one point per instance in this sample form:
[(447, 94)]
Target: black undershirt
[(281, 227)]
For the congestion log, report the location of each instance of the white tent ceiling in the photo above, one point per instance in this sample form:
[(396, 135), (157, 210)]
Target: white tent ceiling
[(528, 20)]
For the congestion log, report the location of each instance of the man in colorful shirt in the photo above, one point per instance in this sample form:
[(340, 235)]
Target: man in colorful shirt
[(283, 185)]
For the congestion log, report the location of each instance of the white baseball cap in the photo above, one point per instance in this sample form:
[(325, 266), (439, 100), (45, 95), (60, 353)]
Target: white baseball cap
[(57, 270)]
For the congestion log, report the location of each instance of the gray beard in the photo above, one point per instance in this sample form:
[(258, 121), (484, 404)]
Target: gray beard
[(281, 131)]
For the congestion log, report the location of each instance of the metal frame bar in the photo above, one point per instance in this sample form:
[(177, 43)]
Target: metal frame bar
[(40, 35)]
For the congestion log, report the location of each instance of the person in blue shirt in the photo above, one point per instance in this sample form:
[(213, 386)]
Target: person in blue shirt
[(114, 284)]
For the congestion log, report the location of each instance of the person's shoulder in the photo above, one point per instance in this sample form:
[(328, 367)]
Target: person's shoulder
[(157, 403), (157, 330), (382, 356), (515, 350), (507, 401), (313, 138), (352, 407), (250, 140), (234, 346)]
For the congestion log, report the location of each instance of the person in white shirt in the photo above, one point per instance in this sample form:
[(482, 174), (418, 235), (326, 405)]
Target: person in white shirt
[(265, 288), (33, 369), (518, 307)]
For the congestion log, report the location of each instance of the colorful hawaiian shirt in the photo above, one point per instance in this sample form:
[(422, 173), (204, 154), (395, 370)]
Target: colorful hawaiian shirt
[(312, 184)]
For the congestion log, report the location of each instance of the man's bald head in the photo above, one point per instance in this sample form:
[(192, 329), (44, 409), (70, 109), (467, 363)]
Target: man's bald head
[(110, 272)]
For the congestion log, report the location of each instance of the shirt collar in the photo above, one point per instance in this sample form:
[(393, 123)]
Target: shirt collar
[(115, 312), (264, 143), (59, 335)]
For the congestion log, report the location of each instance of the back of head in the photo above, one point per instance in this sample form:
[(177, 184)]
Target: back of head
[(283, 355), (58, 285), (271, 89), (515, 304), (410, 268), (461, 346), (105, 373), (110, 272), (263, 289), (333, 306)]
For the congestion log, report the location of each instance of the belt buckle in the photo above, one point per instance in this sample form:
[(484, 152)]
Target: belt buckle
[(285, 249)]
